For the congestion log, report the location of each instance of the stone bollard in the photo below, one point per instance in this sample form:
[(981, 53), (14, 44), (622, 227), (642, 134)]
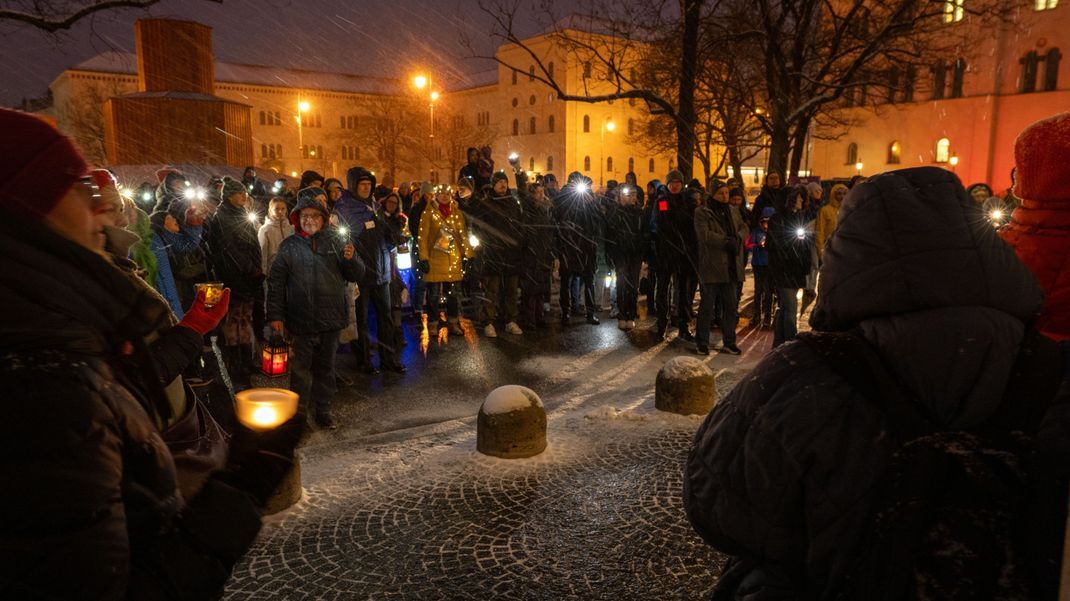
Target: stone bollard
[(288, 493), (511, 424), (685, 386)]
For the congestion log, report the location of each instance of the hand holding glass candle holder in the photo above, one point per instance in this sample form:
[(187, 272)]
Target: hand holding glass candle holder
[(262, 409), (213, 292)]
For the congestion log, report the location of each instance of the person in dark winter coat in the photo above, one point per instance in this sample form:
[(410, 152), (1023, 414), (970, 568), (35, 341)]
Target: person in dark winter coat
[(472, 171), (625, 242), (763, 280), (371, 236), (257, 190), (721, 234), (98, 513), (540, 234), (789, 244), (786, 471), (497, 219), (306, 296), (234, 257), (310, 179), (579, 226), (650, 219), (674, 216), (771, 195), (186, 258), (423, 197), (640, 195)]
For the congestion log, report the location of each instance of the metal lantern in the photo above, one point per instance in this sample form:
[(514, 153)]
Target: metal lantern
[(275, 358)]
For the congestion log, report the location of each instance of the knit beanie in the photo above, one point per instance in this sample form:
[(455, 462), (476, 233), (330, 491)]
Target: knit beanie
[(38, 165), (426, 188), (230, 188), (498, 175), (310, 176), (674, 175), (1039, 155), (813, 187), (309, 194)]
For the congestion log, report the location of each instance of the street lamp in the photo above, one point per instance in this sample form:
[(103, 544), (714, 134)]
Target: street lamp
[(954, 160), (858, 166), (302, 107), (421, 82), (607, 125)]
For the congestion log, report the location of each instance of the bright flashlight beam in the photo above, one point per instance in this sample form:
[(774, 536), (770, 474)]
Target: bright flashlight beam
[(473, 241)]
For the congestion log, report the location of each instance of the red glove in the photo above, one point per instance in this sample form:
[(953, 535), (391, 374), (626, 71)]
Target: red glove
[(203, 319)]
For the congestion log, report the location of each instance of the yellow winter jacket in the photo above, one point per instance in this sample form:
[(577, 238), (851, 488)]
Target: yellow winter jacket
[(826, 224), (444, 243)]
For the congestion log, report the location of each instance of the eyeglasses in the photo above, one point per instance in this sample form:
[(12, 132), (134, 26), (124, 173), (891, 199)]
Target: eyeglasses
[(89, 189), (311, 218)]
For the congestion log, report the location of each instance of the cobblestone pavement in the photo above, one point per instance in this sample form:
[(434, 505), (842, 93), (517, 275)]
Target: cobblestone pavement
[(598, 515)]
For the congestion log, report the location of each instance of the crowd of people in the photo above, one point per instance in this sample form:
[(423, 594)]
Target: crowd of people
[(121, 471)]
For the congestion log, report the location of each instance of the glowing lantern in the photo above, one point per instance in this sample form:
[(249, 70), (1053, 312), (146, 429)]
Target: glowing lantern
[(265, 408), (405, 261), (275, 358)]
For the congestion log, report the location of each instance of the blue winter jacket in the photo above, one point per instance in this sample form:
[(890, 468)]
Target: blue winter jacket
[(186, 241), (369, 234)]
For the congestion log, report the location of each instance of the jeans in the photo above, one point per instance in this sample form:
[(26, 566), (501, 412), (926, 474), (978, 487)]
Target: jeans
[(388, 336), (438, 290), (492, 289), (628, 286), (312, 369), (685, 292), (763, 293), (568, 302), (784, 326), (725, 294)]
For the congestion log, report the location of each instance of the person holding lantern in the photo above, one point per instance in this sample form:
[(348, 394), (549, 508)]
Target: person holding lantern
[(95, 509), (444, 250), (306, 298)]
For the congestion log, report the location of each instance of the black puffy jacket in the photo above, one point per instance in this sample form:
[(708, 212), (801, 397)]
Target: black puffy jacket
[(498, 224), (677, 247), (234, 250), (625, 235), (306, 286), (579, 226), (789, 255), (540, 233), (93, 510)]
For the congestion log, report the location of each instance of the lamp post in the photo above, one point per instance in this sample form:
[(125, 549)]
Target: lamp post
[(953, 161), (609, 126), (302, 107), (421, 82), (858, 167)]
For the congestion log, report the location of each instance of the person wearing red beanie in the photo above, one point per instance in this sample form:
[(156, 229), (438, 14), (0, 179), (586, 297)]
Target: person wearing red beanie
[(95, 505), (1040, 227)]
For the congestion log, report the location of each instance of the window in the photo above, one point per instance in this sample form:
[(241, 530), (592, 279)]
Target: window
[(957, 77), (893, 152), (1029, 72), (271, 151), (531, 125), (908, 83), (852, 154), (586, 124), (263, 149), (550, 124), (650, 166), (278, 150), (304, 151), (953, 10), (531, 75), (550, 69), (1051, 69), (278, 119), (1045, 4), (609, 164), (587, 70), (586, 163), (631, 126), (939, 80), (943, 150), (343, 125), (263, 118), (514, 78), (516, 127), (516, 102), (531, 164), (893, 84), (531, 100), (549, 160)]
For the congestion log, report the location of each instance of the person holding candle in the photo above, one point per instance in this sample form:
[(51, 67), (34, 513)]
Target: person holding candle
[(94, 509), (444, 248), (306, 297)]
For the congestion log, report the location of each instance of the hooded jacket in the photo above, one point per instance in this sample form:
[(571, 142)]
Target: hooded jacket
[(716, 264), (234, 250), (790, 256), (368, 232), (783, 470), (674, 216), (443, 242), (271, 235), (498, 224), (826, 219), (306, 284)]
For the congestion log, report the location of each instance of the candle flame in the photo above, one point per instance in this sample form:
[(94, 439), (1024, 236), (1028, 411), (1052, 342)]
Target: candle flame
[(265, 416)]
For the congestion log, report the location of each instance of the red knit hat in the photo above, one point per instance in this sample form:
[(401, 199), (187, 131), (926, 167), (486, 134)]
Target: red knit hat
[(38, 165), (1040, 155)]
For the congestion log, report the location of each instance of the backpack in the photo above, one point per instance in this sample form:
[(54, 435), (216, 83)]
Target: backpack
[(949, 519)]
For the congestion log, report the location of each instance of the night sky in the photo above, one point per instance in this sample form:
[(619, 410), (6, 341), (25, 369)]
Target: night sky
[(372, 37)]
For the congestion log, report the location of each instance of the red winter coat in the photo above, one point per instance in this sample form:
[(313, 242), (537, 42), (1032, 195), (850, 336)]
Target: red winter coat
[(1040, 233)]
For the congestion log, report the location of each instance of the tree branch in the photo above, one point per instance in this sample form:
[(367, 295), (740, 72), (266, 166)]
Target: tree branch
[(54, 24)]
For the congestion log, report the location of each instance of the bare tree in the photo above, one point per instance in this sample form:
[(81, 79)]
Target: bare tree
[(82, 118), (55, 15)]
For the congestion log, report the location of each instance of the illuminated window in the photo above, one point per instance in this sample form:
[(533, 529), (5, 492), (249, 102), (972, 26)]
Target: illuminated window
[(893, 152), (943, 150), (586, 163), (586, 124), (953, 11), (1045, 4), (852, 154)]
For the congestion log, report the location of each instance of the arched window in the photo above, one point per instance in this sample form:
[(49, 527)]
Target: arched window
[(278, 150), (852, 154), (514, 78), (516, 127), (549, 161), (631, 126), (631, 165), (278, 119), (650, 166), (609, 164), (263, 150), (893, 152), (531, 164), (586, 124), (943, 150), (531, 125), (550, 124), (953, 10), (957, 75), (586, 163), (343, 125), (531, 73), (271, 151), (1051, 69), (587, 70), (263, 118)]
